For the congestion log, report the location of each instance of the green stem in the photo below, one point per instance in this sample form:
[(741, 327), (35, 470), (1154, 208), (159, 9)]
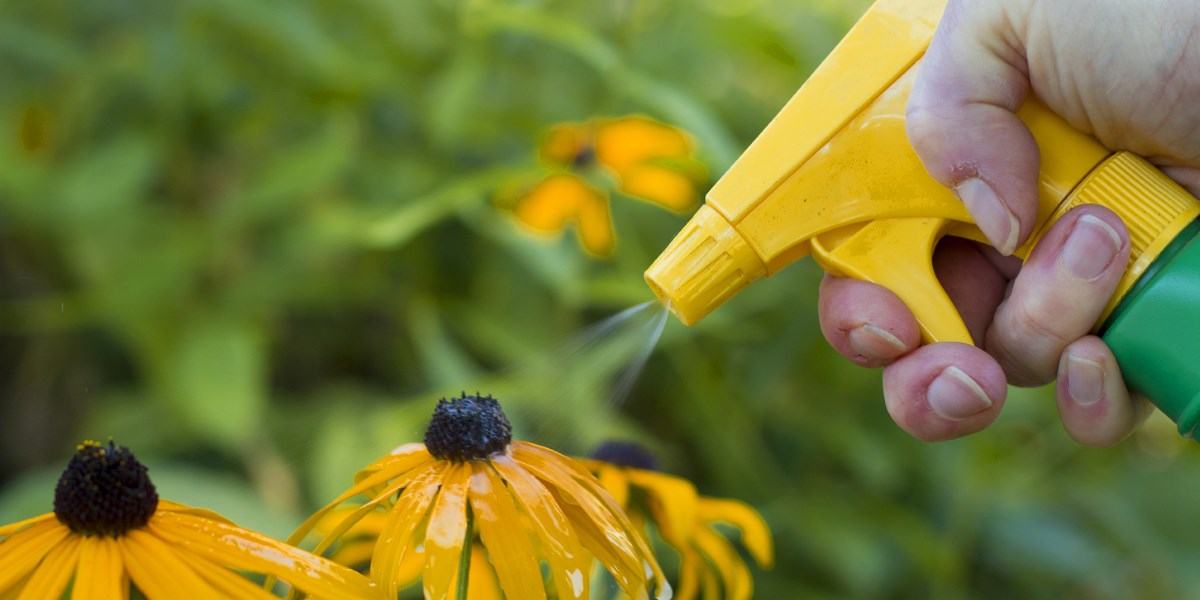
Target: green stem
[(464, 559)]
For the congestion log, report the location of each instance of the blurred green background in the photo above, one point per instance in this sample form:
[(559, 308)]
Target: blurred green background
[(254, 241)]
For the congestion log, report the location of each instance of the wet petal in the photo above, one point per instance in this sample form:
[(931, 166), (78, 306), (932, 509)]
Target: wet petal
[(20, 553), (568, 561), (735, 577), (508, 545), (446, 533), (625, 142), (672, 501), (661, 185), (390, 467), (228, 583), (239, 548), (53, 573), (101, 573), (756, 536), (396, 539), (401, 459), (601, 526), (158, 570)]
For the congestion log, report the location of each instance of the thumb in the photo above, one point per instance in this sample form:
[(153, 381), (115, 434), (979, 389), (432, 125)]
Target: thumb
[(962, 117)]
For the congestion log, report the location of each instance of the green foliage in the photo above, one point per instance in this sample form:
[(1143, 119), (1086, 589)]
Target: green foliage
[(255, 241)]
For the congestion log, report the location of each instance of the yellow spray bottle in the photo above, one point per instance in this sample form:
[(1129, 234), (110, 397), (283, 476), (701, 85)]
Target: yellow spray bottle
[(833, 176)]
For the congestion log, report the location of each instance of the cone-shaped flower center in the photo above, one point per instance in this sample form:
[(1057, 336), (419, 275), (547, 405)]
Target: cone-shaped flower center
[(467, 428), (626, 454), (104, 491)]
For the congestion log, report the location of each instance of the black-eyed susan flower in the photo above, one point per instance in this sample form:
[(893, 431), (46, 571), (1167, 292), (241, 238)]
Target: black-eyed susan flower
[(709, 563), (110, 530), (646, 159), (470, 485)]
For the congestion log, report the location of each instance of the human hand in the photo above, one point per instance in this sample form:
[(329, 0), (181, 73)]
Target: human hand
[(1126, 72)]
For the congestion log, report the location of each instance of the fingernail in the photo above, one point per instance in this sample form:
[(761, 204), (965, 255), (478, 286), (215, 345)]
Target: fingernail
[(955, 396), (1085, 380), (993, 217), (1090, 247), (876, 342)]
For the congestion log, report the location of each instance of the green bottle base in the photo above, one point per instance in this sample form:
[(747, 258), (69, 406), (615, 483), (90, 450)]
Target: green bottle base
[(1155, 332)]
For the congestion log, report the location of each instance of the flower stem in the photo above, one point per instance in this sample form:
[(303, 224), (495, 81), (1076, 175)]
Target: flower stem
[(464, 559)]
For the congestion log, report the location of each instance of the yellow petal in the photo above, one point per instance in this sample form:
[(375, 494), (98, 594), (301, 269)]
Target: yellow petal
[(631, 140), (355, 516), (399, 460), (725, 560), (21, 552), (232, 546), (562, 550), (561, 144), (553, 202), (569, 563), (11, 528), (756, 536), (691, 565), (55, 570), (561, 198), (508, 545), (385, 469), (483, 584), (659, 185), (167, 505), (596, 232), (397, 536), (446, 533), (227, 583), (159, 571), (613, 480), (101, 573), (601, 525), (672, 501)]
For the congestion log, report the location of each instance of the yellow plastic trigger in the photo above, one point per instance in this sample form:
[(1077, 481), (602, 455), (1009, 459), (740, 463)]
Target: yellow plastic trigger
[(905, 268)]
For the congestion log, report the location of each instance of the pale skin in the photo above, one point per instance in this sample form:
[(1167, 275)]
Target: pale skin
[(1126, 72)]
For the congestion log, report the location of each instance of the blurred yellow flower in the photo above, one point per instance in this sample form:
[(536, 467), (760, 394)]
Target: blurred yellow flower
[(685, 520), (648, 160), (471, 486), (109, 529)]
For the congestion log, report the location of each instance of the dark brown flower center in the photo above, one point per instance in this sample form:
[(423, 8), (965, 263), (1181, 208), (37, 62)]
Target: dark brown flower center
[(104, 491), (626, 454), (467, 428)]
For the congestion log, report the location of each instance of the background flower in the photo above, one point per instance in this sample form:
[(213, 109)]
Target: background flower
[(647, 159), (709, 563)]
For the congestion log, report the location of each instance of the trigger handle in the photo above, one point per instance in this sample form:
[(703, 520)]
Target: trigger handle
[(897, 254)]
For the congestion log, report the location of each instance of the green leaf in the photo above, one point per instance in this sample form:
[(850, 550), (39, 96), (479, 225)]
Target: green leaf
[(217, 376), (105, 180)]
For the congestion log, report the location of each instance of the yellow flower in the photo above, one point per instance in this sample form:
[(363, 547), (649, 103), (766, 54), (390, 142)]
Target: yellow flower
[(685, 520), (648, 160), (109, 529), (470, 485)]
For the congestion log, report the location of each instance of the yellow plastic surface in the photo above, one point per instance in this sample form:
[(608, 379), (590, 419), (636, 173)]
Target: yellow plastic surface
[(834, 176)]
